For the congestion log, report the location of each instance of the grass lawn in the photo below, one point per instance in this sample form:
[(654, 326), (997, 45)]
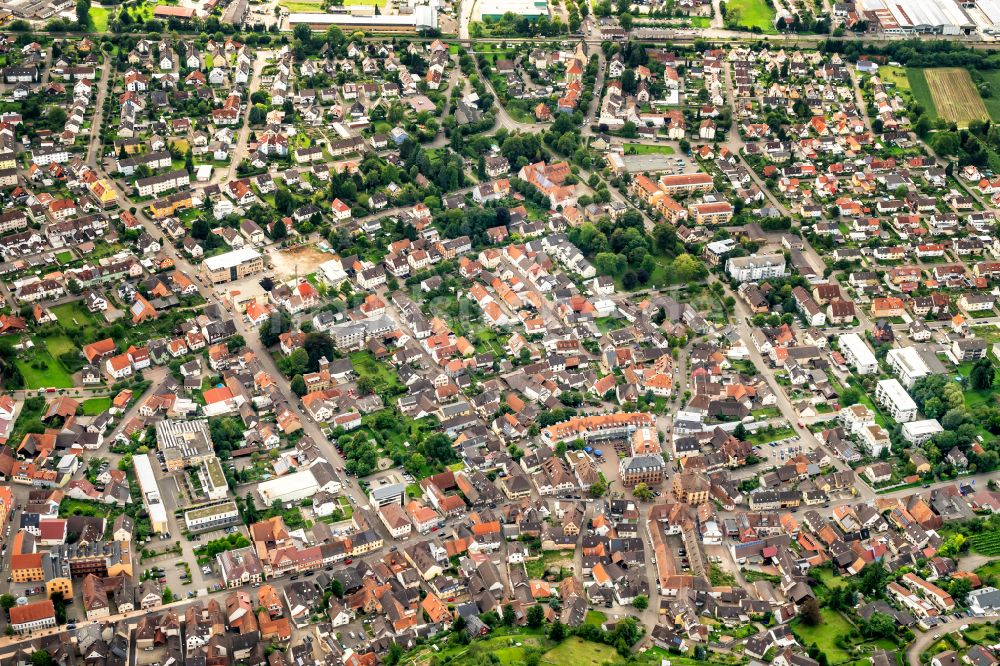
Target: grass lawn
[(894, 75), (701, 22), (537, 568), (302, 6), (921, 91), (575, 651), (95, 406), (50, 372), (99, 18), (366, 366), (826, 577), (64, 256), (768, 436), (754, 14), (825, 634), (377, 3), (596, 618), (56, 344), (645, 149), (75, 317)]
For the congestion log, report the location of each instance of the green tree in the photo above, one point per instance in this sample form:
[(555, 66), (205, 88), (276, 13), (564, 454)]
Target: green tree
[(83, 13), (508, 615), (536, 616), (809, 613), (279, 232), (7, 601), (642, 492), (982, 375), (641, 602), (299, 386), (598, 488)]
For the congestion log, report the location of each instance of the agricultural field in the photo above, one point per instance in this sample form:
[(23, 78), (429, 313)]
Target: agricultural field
[(986, 543), (921, 91), (955, 96), (992, 77)]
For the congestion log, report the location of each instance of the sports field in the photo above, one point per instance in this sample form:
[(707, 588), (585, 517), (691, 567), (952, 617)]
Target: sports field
[(955, 96)]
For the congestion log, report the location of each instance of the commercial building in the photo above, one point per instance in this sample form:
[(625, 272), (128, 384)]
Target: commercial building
[(150, 493), (891, 395), (756, 267), (858, 354), (212, 517), (909, 17), (495, 9), (691, 488), (234, 265), (646, 469), (32, 617), (604, 426), (184, 443), (422, 18), (300, 485)]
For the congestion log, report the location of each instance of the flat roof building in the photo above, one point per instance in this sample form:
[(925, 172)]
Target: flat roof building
[(918, 432), (234, 265), (891, 395), (150, 493), (857, 353), (184, 443), (288, 488), (422, 18), (212, 517), (495, 9)]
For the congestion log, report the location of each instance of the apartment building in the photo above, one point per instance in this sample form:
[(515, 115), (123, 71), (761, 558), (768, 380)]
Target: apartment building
[(756, 267), (894, 398), (858, 354)]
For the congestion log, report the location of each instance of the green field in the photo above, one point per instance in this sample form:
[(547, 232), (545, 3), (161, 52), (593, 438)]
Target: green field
[(95, 406), (825, 634), (921, 91), (701, 22), (754, 14), (302, 6), (75, 317), (377, 3), (41, 370), (99, 18), (575, 651), (993, 102), (986, 543), (894, 75), (646, 149), (56, 344), (383, 375)]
